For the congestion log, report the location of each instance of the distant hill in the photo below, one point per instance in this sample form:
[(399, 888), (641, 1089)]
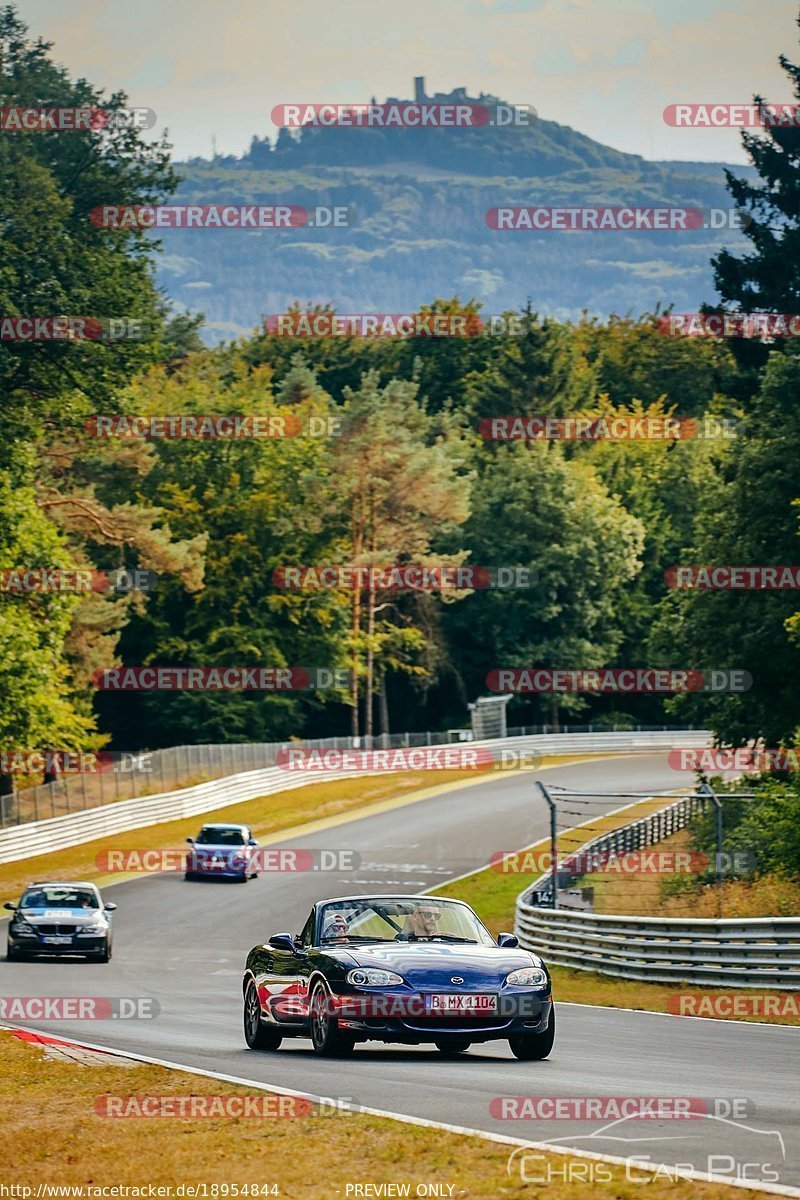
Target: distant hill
[(421, 196)]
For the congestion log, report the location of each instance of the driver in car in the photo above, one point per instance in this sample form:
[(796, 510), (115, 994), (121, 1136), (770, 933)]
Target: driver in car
[(336, 926), (422, 922)]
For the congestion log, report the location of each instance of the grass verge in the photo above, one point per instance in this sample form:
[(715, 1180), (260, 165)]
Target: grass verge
[(54, 1135), (686, 895)]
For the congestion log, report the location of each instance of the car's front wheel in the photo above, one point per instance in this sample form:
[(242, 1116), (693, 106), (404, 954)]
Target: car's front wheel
[(530, 1047), (453, 1045), (258, 1035), (326, 1036), (105, 953)]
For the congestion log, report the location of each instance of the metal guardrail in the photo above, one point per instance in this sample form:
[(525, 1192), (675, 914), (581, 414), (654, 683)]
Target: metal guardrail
[(56, 833), (71, 829), (143, 773), (637, 835), (723, 952), (756, 952)]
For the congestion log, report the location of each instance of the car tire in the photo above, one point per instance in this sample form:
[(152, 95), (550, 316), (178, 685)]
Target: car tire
[(105, 955), (15, 955), (453, 1045), (532, 1047), (189, 875), (326, 1037), (258, 1035)]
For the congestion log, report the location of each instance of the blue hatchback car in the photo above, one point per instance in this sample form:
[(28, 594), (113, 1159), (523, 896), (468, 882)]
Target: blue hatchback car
[(222, 851)]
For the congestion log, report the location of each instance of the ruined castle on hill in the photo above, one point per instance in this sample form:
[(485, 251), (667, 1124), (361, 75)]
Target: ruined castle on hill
[(457, 96)]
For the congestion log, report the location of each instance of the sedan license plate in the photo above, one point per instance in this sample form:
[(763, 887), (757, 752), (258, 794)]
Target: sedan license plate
[(58, 941), (465, 1006)]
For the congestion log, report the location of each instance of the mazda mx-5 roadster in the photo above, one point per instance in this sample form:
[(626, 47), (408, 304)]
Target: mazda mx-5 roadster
[(408, 969)]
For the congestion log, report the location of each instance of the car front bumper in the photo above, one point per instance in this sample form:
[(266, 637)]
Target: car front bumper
[(527, 1013), (76, 945)]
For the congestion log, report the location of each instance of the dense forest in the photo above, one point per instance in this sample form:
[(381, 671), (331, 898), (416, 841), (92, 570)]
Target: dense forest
[(401, 475)]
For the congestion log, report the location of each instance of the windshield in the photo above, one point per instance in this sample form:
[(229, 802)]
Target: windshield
[(221, 837), (59, 897), (406, 919)]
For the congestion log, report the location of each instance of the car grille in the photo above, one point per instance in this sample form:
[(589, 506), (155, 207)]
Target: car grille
[(452, 1023), (62, 929)]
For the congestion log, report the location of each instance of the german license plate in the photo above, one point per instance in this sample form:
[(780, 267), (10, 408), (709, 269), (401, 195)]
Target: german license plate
[(464, 1006), (58, 941)]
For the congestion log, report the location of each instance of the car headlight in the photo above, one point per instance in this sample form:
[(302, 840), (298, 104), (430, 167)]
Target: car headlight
[(92, 930), (20, 926), (369, 977), (528, 977)]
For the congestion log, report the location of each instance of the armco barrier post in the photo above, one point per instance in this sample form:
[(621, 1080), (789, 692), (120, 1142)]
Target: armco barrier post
[(707, 790), (553, 838)]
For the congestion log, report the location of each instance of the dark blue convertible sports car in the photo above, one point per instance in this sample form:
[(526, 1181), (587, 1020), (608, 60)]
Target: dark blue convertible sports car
[(410, 969)]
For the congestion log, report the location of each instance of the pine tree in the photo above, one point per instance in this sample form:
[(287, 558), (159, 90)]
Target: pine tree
[(767, 279)]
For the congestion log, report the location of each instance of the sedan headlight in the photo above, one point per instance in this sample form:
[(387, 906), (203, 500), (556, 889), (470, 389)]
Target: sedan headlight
[(369, 977), (528, 977), (93, 930), (20, 926)]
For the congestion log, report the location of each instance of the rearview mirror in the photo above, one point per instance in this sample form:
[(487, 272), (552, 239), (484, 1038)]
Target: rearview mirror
[(252, 842), (110, 907), (509, 941), (282, 941), (8, 904), (190, 840)]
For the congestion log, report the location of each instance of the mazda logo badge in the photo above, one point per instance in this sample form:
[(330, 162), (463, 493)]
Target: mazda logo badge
[(456, 979)]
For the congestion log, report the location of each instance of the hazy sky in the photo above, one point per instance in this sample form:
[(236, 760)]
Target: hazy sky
[(605, 67)]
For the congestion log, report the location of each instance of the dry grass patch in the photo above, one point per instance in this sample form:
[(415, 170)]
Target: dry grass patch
[(659, 895), (53, 1135)]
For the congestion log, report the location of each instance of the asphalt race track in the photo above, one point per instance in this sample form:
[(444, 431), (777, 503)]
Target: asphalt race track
[(184, 944)]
